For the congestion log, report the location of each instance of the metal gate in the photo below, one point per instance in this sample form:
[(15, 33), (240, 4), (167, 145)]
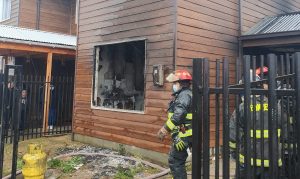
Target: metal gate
[(248, 128), (23, 105), (10, 112)]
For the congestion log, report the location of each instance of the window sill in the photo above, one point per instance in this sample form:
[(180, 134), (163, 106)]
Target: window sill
[(118, 110), (4, 20)]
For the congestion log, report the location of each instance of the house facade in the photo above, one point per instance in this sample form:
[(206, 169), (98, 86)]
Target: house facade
[(126, 48), (46, 15), (40, 36)]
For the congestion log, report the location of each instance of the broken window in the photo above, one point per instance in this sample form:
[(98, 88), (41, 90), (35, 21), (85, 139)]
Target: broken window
[(119, 76)]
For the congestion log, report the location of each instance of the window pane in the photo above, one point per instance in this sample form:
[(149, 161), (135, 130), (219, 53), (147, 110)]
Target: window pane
[(1, 9), (5, 7), (119, 76)]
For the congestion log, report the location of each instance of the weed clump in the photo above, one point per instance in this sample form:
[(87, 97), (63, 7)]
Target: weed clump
[(67, 166)]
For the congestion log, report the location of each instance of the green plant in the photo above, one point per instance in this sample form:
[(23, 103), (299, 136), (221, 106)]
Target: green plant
[(138, 169), (122, 150), (67, 166), (123, 173), (20, 162), (126, 173), (54, 163)]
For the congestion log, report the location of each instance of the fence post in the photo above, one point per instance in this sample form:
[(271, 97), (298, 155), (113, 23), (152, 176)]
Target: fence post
[(272, 116), (197, 118), (16, 116), (206, 120), (217, 111), (247, 153), (225, 119), (297, 89), (2, 127)]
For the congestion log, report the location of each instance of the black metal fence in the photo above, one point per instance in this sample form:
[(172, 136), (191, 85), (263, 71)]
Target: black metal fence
[(23, 105), (247, 128)]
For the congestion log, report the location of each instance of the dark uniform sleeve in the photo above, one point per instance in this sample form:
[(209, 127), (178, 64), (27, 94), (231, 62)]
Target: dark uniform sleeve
[(181, 107), (283, 119), (235, 123), (232, 129)]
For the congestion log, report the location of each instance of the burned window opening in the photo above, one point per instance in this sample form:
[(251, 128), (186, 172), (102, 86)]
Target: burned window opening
[(119, 76)]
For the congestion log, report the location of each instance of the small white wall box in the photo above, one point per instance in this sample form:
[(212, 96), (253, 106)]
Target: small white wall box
[(158, 75)]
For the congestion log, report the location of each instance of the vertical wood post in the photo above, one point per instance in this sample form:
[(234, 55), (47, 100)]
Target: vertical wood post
[(47, 92)]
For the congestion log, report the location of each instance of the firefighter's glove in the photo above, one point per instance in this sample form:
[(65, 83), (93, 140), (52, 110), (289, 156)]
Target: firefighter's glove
[(161, 134), (179, 144)]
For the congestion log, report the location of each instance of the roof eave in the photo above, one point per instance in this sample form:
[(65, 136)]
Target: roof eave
[(60, 46), (269, 35)]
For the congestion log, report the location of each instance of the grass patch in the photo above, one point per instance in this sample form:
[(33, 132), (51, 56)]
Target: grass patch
[(55, 163), (122, 150), (67, 166), (126, 173), (123, 173), (20, 163)]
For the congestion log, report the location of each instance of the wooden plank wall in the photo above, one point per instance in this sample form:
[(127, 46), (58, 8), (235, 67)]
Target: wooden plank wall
[(13, 21), (209, 28), (112, 20), (73, 23), (27, 14), (55, 15)]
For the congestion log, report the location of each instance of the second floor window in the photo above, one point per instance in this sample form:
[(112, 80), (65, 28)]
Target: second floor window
[(5, 9)]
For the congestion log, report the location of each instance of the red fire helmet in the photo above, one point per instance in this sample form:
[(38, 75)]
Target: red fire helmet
[(265, 70), (179, 75)]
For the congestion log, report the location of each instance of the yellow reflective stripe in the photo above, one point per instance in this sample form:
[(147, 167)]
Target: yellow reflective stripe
[(186, 134), (291, 145), (170, 114), (232, 144), (189, 116), (291, 120), (259, 107), (259, 161), (266, 133), (170, 124)]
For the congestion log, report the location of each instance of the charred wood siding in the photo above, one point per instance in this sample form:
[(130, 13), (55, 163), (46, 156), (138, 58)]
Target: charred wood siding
[(54, 15), (13, 21), (113, 20), (206, 29), (209, 29)]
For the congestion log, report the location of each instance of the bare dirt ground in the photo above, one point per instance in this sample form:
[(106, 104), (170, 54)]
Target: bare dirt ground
[(80, 166), (88, 167)]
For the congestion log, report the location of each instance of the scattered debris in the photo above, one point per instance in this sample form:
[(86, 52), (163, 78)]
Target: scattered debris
[(105, 165)]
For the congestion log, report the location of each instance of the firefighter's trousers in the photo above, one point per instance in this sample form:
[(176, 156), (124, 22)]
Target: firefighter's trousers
[(177, 160)]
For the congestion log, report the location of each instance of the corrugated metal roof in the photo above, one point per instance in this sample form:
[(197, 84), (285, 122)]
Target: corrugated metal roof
[(282, 23), (37, 36)]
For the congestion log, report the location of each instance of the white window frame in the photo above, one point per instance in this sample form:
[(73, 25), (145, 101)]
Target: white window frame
[(77, 12), (96, 73), (5, 10)]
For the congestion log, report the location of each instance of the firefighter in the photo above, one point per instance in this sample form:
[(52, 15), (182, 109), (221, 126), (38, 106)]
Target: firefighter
[(260, 132), (179, 123)]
